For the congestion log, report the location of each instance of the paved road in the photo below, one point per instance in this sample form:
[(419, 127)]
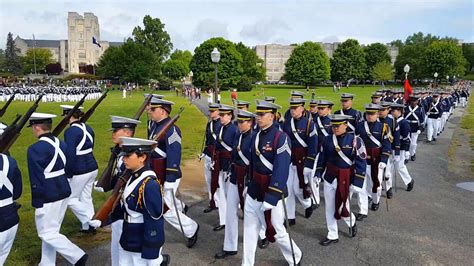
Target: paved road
[(433, 224)]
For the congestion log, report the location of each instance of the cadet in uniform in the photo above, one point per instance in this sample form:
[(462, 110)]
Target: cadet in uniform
[(49, 192), (322, 123), (81, 168), (143, 232), (278, 116), (375, 136), (270, 162), (166, 160), (222, 160), (376, 97), (399, 165), (238, 182), (121, 127), (415, 117), (304, 143), (212, 129), (346, 102), (342, 166), (295, 95), (10, 190), (434, 118)]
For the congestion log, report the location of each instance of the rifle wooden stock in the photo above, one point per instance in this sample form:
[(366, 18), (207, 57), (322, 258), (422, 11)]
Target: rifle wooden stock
[(89, 112), (65, 121), (106, 209), (5, 107), (11, 133), (105, 179)]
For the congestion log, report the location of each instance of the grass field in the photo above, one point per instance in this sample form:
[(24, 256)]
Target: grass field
[(27, 246), (467, 122)]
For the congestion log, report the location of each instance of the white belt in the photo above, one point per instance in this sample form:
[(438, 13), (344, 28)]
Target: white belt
[(5, 202), (133, 220), (54, 174)]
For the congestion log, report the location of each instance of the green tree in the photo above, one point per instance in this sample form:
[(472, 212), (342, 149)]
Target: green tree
[(154, 37), (184, 56), (12, 60), (382, 71), (468, 52), (2, 60), (308, 63), (348, 61), (375, 53), (445, 58), (175, 69), (252, 65), (229, 68), (129, 62), (42, 57)]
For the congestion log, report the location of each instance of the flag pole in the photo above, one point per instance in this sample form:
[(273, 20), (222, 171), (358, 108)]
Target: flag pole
[(34, 52)]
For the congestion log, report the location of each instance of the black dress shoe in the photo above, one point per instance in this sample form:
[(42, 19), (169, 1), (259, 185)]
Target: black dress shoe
[(389, 193), (413, 158), (406, 161), (263, 243), (222, 254), (209, 209), (308, 211), (166, 260), (186, 208), (315, 206), (434, 139), (360, 217), (292, 221), (353, 231), (219, 227), (192, 240), (410, 185), (82, 260), (375, 206), (327, 242)]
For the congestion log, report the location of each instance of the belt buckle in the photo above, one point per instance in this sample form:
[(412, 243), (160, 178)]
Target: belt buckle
[(258, 153), (369, 134), (338, 149)]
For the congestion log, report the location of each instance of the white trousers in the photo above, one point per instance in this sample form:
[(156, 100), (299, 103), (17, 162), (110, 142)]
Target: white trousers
[(128, 258), (254, 220), (295, 192), (375, 196), (117, 227), (80, 201), (362, 194), (231, 237), (463, 101), (432, 126), (208, 173), (413, 143), (330, 209), (315, 189), (171, 216), (124, 94), (400, 168), (48, 225), (444, 119), (220, 197), (6, 241)]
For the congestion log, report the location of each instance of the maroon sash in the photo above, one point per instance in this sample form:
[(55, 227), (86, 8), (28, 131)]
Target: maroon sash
[(297, 159), (342, 191), (159, 167), (373, 158), (263, 181), (240, 173)]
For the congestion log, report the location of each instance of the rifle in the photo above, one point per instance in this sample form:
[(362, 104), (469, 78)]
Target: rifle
[(62, 125), (104, 212), (5, 107), (89, 112), (106, 177), (12, 132)]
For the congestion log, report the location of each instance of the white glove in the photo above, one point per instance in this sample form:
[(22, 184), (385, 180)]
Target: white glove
[(201, 156), (382, 165), (316, 180), (170, 185), (95, 223), (355, 189), (40, 211), (418, 132), (266, 206), (211, 165), (307, 172), (98, 189), (396, 158)]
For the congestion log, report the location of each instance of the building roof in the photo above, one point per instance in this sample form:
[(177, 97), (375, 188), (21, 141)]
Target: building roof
[(42, 43)]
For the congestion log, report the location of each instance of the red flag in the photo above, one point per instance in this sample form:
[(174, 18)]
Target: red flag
[(408, 90)]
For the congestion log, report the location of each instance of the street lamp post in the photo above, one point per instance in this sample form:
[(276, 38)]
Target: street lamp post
[(406, 69), (191, 76), (436, 82), (447, 79), (215, 57)]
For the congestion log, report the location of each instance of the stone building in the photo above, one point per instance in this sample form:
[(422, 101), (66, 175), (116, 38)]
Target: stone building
[(78, 51), (275, 56)]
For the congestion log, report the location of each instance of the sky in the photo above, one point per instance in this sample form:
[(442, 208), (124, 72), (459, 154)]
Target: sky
[(253, 22)]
